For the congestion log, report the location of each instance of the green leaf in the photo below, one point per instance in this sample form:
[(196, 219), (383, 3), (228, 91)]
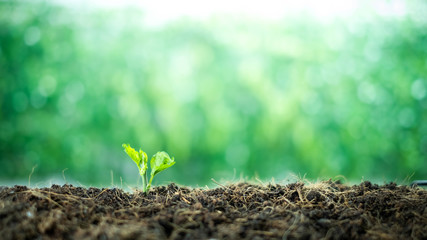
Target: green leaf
[(159, 162), (144, 164), (140, 158), (133, 154)]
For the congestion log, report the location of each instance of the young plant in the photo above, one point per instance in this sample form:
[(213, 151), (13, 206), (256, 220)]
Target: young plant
[(159, 162)]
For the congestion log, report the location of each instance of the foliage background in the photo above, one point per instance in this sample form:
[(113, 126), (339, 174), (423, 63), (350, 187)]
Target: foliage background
[(228, 95)]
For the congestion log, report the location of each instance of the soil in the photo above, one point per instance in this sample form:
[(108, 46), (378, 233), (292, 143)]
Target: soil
[(325, 210)]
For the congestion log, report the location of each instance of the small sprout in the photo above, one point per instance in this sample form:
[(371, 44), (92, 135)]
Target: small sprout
[(140, 158), (159, 162)]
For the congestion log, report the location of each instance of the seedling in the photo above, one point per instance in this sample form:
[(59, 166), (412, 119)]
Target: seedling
[(159, 162)]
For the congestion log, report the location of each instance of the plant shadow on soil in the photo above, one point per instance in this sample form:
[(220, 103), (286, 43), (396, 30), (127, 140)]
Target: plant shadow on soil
[(324, 210)]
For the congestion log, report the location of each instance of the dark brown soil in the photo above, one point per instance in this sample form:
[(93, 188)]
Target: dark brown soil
[(238, 211)]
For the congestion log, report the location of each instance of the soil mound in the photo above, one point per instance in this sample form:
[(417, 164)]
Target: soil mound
[(325, 210)]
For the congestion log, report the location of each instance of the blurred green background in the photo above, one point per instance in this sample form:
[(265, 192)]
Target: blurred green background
[(311, 93)]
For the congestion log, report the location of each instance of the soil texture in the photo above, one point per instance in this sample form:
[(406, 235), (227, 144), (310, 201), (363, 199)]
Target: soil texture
[(324, 210)]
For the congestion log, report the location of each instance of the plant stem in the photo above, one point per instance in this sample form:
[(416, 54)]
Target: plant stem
[(149, 183), (146, 186), (144, 183)]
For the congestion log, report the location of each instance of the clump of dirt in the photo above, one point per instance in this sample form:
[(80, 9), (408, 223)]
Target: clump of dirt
[(325, 210)]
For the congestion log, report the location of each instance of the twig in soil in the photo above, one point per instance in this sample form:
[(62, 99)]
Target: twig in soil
[(300, 195), (101, 193), (185, 200), (287, 200), (29, 177), (40, 195), (67, 196), (259, 180), (63, 175), (213, 180)]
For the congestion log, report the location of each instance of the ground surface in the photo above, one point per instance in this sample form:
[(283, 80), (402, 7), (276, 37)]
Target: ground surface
[(238, 211)]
